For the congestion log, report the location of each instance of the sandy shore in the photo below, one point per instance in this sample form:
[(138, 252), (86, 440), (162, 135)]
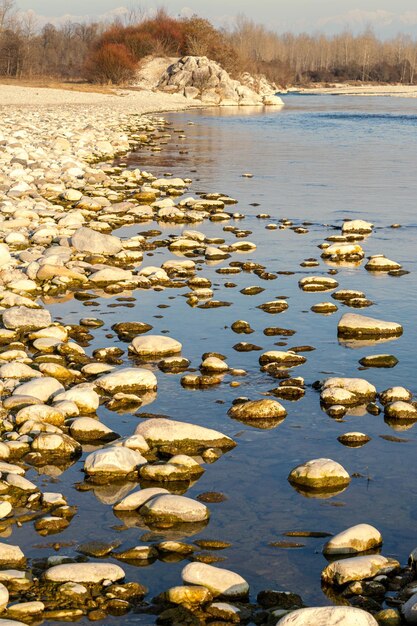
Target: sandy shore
[(124, 101), (398, 91)]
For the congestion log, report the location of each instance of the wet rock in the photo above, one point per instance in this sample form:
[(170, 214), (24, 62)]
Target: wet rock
[(347, 391), (174, 509), (400, 410), (352, 325), (85, 398), (220, 582), (85, 429), (137, 499), (354, 439), (328, 616), (395, 394), (357, 568), (180, 437), (357, 226), (257, 409), (317, 283), (353, 540), (379, 263), (23, 318), (155, 345), (126, 380), (11, 556), (343, 251), (287, 359), (114, 461), (85, 573), (379, 360), (320, 474), (126, 331), (240, 326), (324, 307), (274, 306), (41, 388), (93, 242), (173, 364), (214, 364), (187, 595)]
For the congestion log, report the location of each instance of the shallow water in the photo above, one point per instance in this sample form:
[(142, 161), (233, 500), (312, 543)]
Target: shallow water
[(320, 159)]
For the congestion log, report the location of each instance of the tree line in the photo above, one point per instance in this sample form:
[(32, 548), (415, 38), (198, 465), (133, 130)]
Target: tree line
[(111, 53)]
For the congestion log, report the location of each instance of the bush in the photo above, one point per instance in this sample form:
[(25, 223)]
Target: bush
[(110, 63)]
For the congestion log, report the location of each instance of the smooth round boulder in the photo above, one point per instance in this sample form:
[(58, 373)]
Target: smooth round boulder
[(357, 568), (257, 409), (23, 318), (174, 509), (85, 573), (355, 539), (4, 597), (40, 388), (180, 437), (319, 474), (328, 616), (154, 346), (127, 380), (114, 460), (354, 326), (221, 582)]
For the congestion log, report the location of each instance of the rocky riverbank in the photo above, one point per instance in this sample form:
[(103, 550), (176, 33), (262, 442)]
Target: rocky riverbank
[(61, 198)]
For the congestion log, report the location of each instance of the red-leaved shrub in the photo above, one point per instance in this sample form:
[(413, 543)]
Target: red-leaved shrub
[(110, 63)]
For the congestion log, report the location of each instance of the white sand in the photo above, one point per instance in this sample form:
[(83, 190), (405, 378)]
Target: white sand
[(125, 101), (399, 91)]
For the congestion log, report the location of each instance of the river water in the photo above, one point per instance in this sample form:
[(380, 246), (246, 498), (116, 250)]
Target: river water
[(319, 160)]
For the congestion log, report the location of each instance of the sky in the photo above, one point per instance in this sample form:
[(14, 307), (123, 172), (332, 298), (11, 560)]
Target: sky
[(386, 17)]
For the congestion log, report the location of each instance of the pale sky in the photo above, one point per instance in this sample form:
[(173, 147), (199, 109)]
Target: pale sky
[(328, 16)]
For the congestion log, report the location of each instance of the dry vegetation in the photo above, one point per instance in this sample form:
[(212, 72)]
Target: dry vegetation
[(111, 54)]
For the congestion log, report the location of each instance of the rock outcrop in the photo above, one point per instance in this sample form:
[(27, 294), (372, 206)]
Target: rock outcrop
[(203, 79)]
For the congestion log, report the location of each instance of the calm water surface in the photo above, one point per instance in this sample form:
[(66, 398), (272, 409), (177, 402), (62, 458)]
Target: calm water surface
[(321, 159)]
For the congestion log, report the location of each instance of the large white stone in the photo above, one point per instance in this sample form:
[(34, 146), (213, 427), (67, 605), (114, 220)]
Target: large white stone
[(174, 509), (358, 326), (155, 345), (127, 380), (320, 474), (181, 436), (86, 573), (5, 257), (93, 242), (357, 568), (4, 597), (355, 539), (138, 498), (357, 226), (11, 555), (18, 370), (40, 388), (113, 460), (85, 398), (23, 318), (328, 616), (221, 582)]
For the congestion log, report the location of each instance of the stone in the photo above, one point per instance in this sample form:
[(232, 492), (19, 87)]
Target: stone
[(4, 597), (379, 360), (24, 319), (41, 388), (355, 539), (357, 568), (137, 499), (320, 474), (400, 410), (395, 394), (409, 610), (11, 555), (379, 263), (343, 251), (257, 409), (328, 616), (188, 595), (129, 379), (114, 460), (347, 391), (174, 509), (85, 573), (352, 325), (180, 437), (89, 429), (220, 582), (357, 226), (317, 283), (287, 359), (93, 242), (85, 398), (155, 345)]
